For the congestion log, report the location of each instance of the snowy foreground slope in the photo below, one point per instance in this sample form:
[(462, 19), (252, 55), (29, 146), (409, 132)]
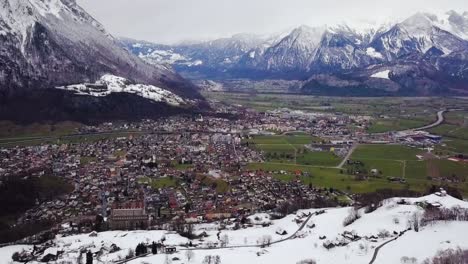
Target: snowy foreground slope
[(394, 216)]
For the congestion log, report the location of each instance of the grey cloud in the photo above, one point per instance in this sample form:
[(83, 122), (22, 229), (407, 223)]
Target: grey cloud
[(167, 21)]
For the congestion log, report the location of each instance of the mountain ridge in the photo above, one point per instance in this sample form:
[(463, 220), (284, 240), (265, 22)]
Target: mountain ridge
[(55, 42), (425, 50)]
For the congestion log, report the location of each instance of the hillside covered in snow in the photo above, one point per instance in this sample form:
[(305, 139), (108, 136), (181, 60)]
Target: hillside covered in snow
[(108, 84), (400, 230)]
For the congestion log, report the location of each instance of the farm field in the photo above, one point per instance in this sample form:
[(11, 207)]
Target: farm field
[(453, 145), (390, 160), (290, 149), (448, 130), (386, 152), (160, 182), (327, 178), (386, 125), (407, 108)]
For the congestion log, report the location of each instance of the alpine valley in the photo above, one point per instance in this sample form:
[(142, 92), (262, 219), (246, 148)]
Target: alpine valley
[(425, 54)]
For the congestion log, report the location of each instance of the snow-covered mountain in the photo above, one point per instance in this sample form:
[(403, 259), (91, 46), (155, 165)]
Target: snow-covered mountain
[(46, 43), (417, 34), (427, 54)]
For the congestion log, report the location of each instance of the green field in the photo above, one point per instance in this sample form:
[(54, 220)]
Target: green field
[(386, 152), (220, 185), (290, 149), (386, 125), (11, 130), (455, 131), (389, 160), (159, 182), (328, 178), (62, 139), (454, 145), (407, 108)]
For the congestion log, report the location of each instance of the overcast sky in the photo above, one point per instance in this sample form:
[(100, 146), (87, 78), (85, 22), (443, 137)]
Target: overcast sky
[(169, 21)]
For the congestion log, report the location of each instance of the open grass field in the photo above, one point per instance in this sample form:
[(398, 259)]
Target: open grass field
[(389, 160), (338, 179), (328, 178), (290, 149), (220, 185), (386, 125), (454, 145), (408, 108), (401, 161), (11, 130), (159, 183), (386, 152), (456, 117), (62, 139), (326, 159), (290, 139), (455, 131)]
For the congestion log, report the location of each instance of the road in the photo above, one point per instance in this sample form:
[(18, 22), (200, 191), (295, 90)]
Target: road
[(440, 120), (377, 249), (346, 158)]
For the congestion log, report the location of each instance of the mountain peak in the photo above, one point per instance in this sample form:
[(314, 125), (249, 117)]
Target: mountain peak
[(419, 21)]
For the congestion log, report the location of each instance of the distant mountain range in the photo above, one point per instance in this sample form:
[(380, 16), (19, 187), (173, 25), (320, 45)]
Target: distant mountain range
[(424, 54), (46, 44)]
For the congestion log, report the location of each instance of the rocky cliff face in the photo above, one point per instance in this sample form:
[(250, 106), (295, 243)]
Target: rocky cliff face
[(49, 43)]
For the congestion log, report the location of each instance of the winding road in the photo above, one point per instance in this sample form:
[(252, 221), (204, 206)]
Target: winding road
[(440, 120), (377, 249)]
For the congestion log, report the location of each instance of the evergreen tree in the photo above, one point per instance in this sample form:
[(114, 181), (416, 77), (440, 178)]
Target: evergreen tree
[(89, 258), (154, 248)]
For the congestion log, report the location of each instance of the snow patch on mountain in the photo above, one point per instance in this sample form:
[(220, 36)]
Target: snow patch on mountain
[(196, 63), (373, 53), (381, 75), (48, 7), (109, 84), (163, 56)]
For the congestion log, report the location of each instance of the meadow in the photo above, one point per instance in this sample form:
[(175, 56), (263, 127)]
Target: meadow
[(290, 149)]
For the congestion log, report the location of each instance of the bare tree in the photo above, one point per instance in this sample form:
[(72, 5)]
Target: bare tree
[(353, 216), (130, 254), (265, 240), (224, 240), (189, 254), (416, 220), (449, 256), (167, 260), (307, 261), (209, 259)]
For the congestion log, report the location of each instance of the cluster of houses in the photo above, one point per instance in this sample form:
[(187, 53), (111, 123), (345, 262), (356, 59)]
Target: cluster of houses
[(194, 170), (190, 168)]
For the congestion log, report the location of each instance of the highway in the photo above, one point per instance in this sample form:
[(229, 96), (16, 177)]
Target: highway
[(440, 120)]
